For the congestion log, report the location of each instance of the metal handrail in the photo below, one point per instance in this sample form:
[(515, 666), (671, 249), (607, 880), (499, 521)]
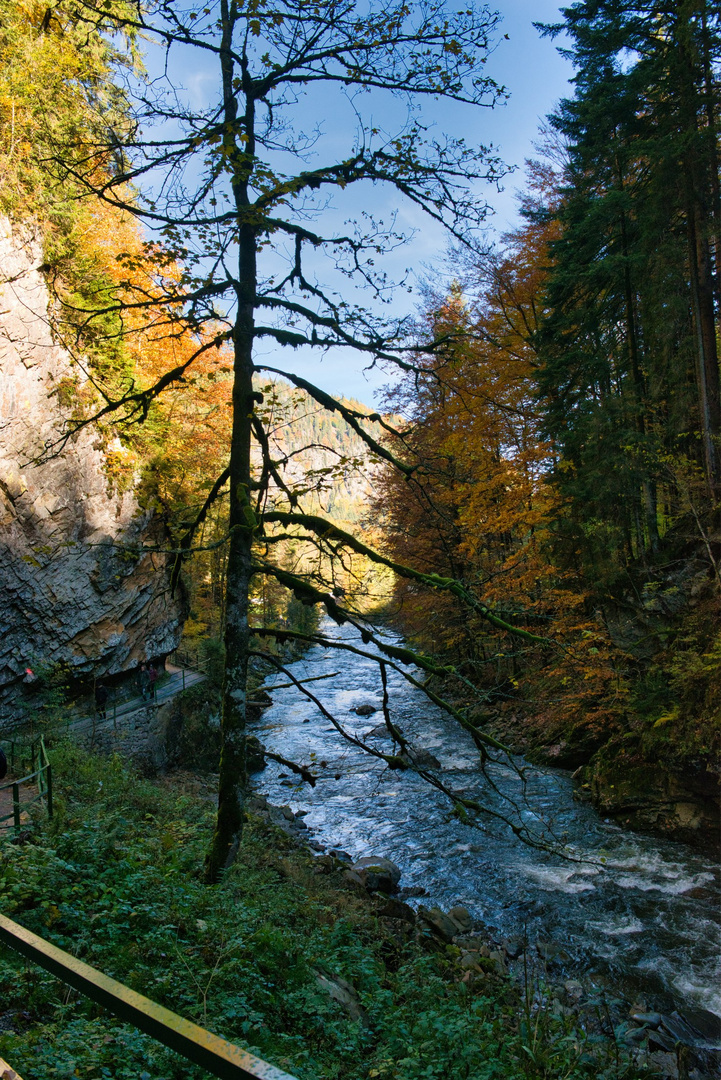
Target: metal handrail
[(44, 776), (223, 1059)]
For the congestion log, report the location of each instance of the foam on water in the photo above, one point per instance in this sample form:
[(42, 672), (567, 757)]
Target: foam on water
[(623, 910)]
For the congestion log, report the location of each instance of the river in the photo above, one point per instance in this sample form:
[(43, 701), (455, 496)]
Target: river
[(639, 914)]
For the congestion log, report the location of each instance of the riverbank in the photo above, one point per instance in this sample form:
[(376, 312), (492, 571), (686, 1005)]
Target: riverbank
[(650, 779), (290, 956)]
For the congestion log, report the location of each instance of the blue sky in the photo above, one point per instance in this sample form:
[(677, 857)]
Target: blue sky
[(536, 77)]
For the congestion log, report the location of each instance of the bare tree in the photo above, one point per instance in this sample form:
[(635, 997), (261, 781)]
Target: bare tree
[(239, 196)]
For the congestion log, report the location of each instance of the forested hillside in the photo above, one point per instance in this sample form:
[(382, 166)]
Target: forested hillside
[(568, 428)]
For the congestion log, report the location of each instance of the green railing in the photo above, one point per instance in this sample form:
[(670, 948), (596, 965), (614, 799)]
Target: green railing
[(220, 1058), (40, 774)]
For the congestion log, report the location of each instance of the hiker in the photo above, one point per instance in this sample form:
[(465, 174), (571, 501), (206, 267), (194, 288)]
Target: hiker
[(101, 700), (143, 680), (152, 679)]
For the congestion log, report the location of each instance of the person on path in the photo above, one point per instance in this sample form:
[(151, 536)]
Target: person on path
[(101, 700), (143, 680), (152, 680)]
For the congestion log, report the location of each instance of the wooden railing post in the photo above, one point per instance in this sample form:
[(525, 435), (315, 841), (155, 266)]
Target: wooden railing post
[(49, 788), (16, 807)]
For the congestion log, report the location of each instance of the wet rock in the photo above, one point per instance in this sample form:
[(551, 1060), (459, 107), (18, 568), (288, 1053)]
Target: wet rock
[(514, 947), (300, 824), (648, 1019), (380, 731), (378, 874), (682, 1031), (659, 1040), (365, 710), (574, 989), (707, 1024), (551, 952), (439, 922), (287, 783), (422, 759), (462, 918), (412, 890), (338, 853), (636, 1036)]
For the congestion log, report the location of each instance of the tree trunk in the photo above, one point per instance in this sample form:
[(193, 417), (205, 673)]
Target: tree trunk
[(698, 193), (231, 785)]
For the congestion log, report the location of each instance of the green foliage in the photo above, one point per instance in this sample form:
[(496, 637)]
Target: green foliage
[(115, 880)]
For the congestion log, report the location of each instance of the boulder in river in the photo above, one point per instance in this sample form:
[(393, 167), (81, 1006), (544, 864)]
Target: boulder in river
[(422, 759), (377, 874), (365, 710), (380, 731)]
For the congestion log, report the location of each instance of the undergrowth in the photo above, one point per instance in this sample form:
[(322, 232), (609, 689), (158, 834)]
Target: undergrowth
[(115, 879)]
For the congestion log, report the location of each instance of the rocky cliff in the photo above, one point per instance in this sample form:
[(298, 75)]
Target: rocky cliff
[(70, 593)]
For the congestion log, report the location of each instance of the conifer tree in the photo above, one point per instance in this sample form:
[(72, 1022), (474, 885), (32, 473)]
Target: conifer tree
[(631, 327)]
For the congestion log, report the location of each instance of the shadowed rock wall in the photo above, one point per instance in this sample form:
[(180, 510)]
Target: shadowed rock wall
[(68, 593)]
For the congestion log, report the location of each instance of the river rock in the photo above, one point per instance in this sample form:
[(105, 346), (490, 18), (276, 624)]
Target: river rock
[(514, 947), (377, 874), (659, 1040), (422, 759), (706, 1023), (441, 925), (380, 731), (462, 918), (648, 1019), (551, 952), (365, 710), (77, 587), (391, 908), (684, 1032)]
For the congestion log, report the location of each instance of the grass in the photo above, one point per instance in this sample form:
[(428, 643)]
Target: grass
[(114, 878)]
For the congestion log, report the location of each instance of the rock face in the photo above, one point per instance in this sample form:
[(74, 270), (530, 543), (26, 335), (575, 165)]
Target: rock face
[(69, 593)]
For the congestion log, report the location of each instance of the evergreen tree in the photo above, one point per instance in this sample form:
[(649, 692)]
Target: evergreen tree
[(629, 358)]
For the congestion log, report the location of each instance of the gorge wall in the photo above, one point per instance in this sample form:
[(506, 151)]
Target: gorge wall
[(70, 592)]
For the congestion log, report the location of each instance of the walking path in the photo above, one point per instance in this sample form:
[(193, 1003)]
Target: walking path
[(178, 679)]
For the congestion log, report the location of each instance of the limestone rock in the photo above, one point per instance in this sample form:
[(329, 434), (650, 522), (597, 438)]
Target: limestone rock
[(439, 922), (377, 874), (71, 592)]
